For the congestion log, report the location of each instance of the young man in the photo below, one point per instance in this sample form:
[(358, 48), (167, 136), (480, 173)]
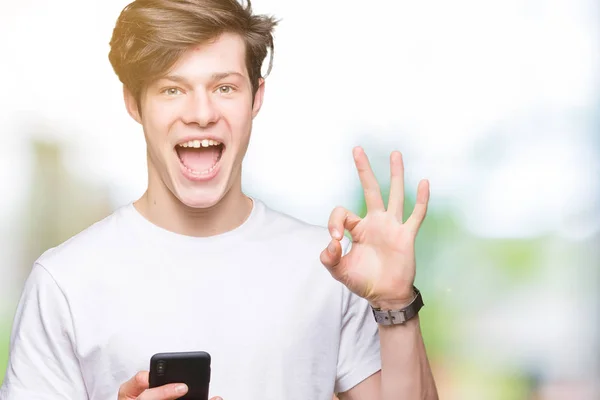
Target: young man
[(195, 264)]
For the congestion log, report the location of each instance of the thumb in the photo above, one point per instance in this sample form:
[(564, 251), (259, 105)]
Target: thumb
[(331, 257), (340, 220), (216, 398)]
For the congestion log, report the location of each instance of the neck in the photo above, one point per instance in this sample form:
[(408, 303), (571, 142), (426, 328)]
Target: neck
[(162, 208)]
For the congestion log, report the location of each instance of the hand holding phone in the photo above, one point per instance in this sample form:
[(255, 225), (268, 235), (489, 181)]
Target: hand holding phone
[(137, 388), (170, 387)]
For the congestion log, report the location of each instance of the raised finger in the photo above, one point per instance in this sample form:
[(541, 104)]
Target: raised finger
[(396, 199), (368, 181), (418, 215)]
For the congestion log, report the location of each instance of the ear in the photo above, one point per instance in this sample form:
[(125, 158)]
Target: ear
[(131, 105), (258, 97)]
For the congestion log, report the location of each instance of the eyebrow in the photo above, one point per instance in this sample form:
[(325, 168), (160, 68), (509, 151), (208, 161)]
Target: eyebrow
[(217, 76), (222, 75)]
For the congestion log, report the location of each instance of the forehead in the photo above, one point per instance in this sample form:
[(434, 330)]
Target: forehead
[(225, 53)]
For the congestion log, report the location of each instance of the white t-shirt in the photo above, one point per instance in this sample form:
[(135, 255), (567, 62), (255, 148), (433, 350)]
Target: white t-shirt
[(257, 298)]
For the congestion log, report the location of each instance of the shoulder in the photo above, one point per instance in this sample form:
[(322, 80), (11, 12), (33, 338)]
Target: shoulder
[(92, 243), (285, 227)]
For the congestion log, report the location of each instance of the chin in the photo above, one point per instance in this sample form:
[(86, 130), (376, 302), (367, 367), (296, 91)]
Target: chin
[(200, 199)]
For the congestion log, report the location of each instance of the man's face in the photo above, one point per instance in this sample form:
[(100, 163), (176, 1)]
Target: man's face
[(197, 121)]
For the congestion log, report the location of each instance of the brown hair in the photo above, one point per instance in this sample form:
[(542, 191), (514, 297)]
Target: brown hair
[(151, 35)]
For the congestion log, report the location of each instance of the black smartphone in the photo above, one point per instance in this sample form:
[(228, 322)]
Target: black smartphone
[(191, 368)]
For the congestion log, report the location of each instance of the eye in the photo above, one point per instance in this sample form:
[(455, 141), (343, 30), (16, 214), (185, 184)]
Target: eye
[(172, 91), (225, 89)]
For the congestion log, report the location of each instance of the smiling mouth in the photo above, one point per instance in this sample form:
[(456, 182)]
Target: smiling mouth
[(200, 157)]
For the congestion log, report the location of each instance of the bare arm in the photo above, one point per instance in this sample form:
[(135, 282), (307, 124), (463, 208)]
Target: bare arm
[(405, 370), (405, 373)]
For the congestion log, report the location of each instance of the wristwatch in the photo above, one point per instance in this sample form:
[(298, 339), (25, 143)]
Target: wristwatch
[(398, 317)]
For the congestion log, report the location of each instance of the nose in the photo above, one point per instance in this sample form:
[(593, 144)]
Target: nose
[(201, 110)]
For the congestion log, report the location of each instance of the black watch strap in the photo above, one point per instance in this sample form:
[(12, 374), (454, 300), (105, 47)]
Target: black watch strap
[(398, 317)]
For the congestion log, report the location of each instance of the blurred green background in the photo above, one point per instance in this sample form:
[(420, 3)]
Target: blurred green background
[(497, 103)]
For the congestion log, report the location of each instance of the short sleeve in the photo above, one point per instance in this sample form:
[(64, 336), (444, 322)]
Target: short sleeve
[(359, 352), (42, 362)]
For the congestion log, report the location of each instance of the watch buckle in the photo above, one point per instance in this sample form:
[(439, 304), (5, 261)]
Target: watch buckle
[(401, 317)]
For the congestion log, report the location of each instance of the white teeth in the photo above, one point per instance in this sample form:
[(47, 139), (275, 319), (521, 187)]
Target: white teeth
[(208, 171), (200, 173), (200, 143)]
